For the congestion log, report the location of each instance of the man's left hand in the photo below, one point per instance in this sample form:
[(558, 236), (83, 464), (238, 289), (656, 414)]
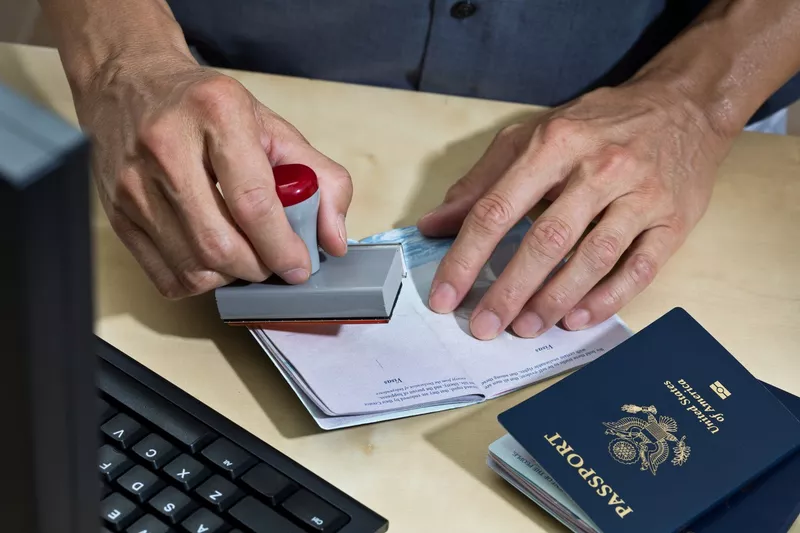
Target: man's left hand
[(639, 159)]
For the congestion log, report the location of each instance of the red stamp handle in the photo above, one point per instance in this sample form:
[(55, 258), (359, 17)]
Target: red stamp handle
[(294, 183)]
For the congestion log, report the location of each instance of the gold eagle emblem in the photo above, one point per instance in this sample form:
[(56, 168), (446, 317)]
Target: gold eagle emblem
[(646, 440)]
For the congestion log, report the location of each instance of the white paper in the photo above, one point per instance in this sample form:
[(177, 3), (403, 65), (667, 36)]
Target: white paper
[(423, 361)]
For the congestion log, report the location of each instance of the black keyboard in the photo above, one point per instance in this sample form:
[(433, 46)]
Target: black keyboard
[(168, 463)]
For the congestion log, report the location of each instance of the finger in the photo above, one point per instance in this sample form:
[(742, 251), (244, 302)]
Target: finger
[(245, 176), (642, 262), (446, 219), (545, 245), (208, 225), (488, 221), (594, 258), (599, 178), (336, 193), (150, 211), (148, 257)]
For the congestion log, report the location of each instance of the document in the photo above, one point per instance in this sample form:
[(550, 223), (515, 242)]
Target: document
[(422, 361)]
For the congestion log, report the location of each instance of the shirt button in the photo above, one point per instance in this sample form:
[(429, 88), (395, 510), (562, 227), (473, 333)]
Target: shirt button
[(462, 10)]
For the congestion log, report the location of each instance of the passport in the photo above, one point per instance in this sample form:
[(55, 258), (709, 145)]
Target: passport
[(661, 431), (770, 504)]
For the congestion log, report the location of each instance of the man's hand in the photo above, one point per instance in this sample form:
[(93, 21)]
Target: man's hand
[(182, 160), (639, 159)]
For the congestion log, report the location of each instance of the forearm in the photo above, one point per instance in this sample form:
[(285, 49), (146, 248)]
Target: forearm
[(90, 34), (731, 59)]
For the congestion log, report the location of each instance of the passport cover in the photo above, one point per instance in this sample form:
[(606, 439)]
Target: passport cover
[(656, 432), (770, 504)]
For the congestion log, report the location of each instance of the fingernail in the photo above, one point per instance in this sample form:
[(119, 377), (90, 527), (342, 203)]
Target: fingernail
[(577, 319), (486, 325), (342, 229), (442, 298), (528, 324), (295, 275)]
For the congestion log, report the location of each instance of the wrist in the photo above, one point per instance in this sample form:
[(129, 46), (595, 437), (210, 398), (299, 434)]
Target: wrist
[(701, 85), (92, 68), (730, 60)]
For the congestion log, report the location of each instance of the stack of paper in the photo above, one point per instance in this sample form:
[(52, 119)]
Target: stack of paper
[(421, 362)]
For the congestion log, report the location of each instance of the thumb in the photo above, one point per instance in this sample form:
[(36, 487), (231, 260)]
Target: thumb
[(446, 219), (287, 146), (336, 193)]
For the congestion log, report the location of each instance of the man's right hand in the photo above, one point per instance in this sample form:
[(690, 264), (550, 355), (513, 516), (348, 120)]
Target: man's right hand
[(166, 131)]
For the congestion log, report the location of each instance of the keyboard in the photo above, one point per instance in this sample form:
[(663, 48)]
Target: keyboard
[(168, 463)]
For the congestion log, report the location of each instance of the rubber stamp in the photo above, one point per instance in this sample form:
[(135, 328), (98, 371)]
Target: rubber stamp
[(360, 287)]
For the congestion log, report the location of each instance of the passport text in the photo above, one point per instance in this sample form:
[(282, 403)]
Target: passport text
[(589, 475)]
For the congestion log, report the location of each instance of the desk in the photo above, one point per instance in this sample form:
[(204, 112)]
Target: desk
[(738, 274)]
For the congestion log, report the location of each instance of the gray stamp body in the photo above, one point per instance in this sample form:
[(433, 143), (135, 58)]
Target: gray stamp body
[(303, 219), (362, 285)]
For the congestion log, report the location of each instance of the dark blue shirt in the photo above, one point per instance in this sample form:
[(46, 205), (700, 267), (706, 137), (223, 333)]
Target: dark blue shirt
[(542, 52)]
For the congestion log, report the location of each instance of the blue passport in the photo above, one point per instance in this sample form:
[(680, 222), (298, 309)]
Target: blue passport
[(770, 504), (659, 432)]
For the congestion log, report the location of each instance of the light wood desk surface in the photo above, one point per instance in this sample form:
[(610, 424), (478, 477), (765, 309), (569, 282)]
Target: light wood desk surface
[(738, 274)]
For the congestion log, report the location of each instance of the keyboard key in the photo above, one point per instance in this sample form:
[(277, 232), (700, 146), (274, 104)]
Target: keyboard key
[(111, 464), (148, 524), (172, 505), (270, 484), (155, 451), (219, 492), (140, 483), (259, 518), (229, 458), (123, 431), (104, 410), (118, 512), (159, 412), (204, 521), (316, 514), (104, 530), (186, 471)]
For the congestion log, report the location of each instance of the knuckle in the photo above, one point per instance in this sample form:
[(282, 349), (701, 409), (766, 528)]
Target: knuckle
[(613, 297), (463, 187), (643, 269), (551, 237), (602, 251), (344, 182), (655, 190), (513, 295), (559, 130), (169, 289), (459, 261), (215, 249), (252, 202), (216, 97), (616, 160), (508, 133), (492, 213), (196, 282), (677, 224), (556, 297)]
